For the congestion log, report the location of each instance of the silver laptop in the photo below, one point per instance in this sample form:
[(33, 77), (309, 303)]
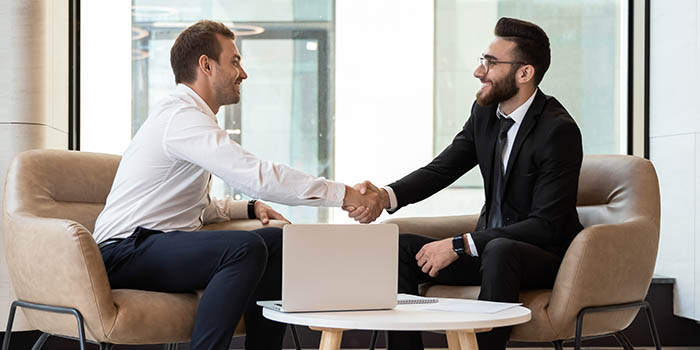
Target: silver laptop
[(338, 267)]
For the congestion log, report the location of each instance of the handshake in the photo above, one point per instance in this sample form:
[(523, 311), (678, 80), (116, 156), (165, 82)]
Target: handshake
[(364, 202)]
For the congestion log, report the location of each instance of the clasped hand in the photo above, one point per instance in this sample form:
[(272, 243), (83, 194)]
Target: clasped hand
[(364, 202)]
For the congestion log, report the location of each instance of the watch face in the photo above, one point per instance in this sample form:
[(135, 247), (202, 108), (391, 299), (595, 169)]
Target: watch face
[(458, 244)]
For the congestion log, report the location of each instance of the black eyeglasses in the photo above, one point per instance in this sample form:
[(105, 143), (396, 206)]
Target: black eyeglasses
[(487, 62)]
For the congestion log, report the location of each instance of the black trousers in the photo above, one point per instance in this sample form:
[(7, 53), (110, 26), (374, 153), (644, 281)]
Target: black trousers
[(504, 268), (234, 268)]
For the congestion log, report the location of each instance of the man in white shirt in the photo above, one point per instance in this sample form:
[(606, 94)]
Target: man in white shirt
[(529, 151), (147, 232)]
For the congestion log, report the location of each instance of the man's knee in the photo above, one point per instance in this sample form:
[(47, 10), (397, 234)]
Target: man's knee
[(270, 234), (410, 244), (271, 231), (249, 243), (499, 250), (410, 240)]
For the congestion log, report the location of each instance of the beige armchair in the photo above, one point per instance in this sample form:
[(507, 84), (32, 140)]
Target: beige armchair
[(52, 199), (606, 271)]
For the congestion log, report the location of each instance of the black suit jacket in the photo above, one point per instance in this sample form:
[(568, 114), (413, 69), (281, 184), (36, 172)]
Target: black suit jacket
[(541, 179)]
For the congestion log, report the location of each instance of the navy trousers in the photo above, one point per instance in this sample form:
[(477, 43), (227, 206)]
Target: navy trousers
[(504, 268), (234, 268)]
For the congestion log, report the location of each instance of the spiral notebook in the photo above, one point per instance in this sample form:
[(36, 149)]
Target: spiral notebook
[(408, 299)]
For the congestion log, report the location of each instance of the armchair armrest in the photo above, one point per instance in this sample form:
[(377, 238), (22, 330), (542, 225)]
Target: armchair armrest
[(242, 225), (438, 226), (605, 264)]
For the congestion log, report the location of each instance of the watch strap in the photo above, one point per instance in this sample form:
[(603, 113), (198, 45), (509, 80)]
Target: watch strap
[(458, 245), (251, 209)]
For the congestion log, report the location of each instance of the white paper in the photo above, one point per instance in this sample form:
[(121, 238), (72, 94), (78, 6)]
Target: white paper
[(468, 305)]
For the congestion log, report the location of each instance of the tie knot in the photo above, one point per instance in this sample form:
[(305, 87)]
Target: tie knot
[(505, 124)]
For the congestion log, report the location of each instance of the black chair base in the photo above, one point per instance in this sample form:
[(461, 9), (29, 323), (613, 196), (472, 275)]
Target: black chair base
[(619, 336), (55, 309)]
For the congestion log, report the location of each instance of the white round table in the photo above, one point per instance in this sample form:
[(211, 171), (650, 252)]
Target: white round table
[(461, 327)]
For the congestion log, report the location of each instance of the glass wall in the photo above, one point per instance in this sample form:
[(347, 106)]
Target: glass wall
[(352, 89)]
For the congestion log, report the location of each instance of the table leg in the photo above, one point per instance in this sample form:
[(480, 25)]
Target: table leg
[(452, 340), (462, 340), (330, 338)]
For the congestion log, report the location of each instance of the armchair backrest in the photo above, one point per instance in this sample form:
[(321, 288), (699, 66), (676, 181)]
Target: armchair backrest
[(615, 188), (52, 199), (60, 184), (612, 260)]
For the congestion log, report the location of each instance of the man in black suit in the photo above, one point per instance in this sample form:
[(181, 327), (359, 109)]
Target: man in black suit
[(529, 151)]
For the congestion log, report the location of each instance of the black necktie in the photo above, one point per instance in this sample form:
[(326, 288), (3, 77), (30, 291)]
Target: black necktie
[(495, 216)]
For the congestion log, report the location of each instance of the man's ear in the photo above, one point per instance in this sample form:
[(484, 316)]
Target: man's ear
[(525, 74), (205, 65)]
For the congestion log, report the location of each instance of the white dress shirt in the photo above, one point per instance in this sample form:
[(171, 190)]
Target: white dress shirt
[(164, 176), (517, 115)]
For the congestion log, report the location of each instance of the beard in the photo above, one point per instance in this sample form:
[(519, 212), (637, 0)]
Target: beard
[(501, 90), (227, 92)]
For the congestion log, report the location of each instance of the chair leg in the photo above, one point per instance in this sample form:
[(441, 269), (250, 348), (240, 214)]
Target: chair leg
[(81, 329), (558, 344), (105, 346), (48, 308), (373, 341), (579, 330), (8, 331), (295, 336), (652, 326), (623, 340), (40, 342)]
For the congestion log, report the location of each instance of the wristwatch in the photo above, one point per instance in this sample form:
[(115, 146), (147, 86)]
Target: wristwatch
[(458, 245), (251, 208)]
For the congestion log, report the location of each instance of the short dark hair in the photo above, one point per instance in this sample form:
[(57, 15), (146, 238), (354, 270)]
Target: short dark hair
[(198, 39), (531, 43)]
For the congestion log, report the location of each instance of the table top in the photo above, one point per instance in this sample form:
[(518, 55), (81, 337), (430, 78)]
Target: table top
[(403, 317)]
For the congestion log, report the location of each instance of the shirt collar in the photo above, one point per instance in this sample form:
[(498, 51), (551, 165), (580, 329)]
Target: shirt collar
[(203, 106), (519, 113)]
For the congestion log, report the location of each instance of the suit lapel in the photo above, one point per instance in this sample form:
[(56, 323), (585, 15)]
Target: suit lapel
[(529, 122)]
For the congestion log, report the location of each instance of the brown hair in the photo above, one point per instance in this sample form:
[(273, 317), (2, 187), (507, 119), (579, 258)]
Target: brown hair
[(198, 39), (531, 43)]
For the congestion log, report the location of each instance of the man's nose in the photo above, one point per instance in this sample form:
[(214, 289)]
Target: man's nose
[(479, 72)]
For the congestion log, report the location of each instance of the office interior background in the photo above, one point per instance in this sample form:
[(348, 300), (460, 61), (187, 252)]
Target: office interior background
[(366, 89)]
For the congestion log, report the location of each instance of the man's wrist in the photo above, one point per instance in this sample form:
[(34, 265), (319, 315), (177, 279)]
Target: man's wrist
[(251, 209), (459, 245), (384, 197)]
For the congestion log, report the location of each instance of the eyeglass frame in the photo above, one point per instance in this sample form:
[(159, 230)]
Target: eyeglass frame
[(494, 62)]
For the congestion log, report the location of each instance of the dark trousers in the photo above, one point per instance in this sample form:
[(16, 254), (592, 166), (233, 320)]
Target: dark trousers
[(504, 268), (234, 268)]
